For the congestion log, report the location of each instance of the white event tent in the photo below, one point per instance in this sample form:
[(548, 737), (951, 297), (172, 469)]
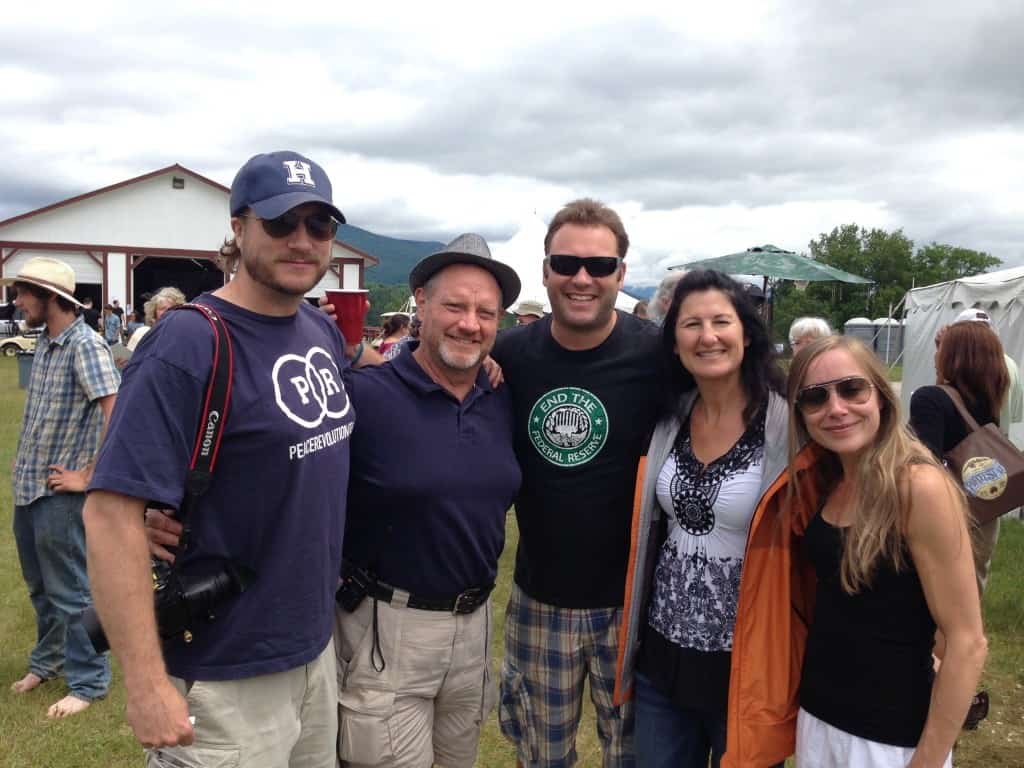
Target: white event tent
[(1000, 294), (524, 252)]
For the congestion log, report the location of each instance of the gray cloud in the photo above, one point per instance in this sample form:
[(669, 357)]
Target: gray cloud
[(837, 101)]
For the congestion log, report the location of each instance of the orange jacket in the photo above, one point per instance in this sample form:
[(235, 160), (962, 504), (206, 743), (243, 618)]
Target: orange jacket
[(776, 602)]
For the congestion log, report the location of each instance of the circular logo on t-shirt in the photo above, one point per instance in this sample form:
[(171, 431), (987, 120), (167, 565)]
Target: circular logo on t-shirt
[(984, 478), (568, 426), (309, 389)]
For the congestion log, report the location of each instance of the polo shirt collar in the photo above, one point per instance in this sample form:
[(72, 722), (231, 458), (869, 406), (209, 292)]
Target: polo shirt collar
[(410, 371)]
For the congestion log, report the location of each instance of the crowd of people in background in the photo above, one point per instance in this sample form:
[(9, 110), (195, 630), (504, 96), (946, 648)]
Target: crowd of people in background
[(712, 544)]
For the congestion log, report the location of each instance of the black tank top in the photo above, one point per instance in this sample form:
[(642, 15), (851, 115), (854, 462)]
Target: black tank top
[(868, 668)]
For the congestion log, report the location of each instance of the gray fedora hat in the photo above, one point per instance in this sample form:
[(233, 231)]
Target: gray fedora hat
[(468, 249)]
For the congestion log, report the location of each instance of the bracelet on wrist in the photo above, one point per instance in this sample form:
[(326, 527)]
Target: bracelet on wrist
[(358, 354)]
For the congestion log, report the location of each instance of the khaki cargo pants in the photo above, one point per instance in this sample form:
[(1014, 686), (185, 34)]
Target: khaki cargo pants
[(282, 720), (419, 694)]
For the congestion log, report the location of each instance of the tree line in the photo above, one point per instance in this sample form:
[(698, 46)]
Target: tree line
[(889, 259)]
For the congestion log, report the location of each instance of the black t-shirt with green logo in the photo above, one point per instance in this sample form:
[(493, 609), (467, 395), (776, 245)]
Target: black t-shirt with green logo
[(582, 420)]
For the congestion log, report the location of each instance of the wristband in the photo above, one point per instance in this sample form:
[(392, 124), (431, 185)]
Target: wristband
[(357, 355)]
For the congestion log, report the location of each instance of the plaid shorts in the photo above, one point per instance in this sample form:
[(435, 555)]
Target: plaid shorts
[(549, 652)]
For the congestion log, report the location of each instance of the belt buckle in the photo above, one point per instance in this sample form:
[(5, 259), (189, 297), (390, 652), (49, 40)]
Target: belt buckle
[(466, 602)]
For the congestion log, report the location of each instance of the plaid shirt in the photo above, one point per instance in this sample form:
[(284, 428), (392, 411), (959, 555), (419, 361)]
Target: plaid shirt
[(63, 422)]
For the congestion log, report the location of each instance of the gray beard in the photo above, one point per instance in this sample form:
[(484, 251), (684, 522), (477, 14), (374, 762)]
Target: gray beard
[(455, 364)]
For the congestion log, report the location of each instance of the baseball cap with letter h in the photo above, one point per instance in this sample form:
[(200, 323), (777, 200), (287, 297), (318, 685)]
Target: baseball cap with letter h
[(272, 184)]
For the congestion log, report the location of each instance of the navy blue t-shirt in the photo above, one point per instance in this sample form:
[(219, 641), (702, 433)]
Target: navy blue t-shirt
[(432, 479), (277, 500)]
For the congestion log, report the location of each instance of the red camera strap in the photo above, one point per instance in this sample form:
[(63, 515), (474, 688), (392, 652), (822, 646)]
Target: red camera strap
[(216, 403)]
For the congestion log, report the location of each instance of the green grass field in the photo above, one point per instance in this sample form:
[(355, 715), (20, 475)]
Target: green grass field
[(99, 738)]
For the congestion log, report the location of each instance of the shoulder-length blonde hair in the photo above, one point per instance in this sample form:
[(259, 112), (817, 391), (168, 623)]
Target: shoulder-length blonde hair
[(881, 492), (168, 293)]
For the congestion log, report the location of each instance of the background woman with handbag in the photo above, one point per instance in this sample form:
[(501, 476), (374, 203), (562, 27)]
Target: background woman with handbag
[(891, 548), (969, 358)]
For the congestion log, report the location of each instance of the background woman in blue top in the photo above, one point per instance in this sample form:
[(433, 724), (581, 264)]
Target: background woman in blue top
[(892, 552)]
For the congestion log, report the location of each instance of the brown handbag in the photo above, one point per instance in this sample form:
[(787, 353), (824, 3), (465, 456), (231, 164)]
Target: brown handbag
[(987, 466)]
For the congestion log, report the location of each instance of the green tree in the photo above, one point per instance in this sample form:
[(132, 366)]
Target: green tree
[(936, 263), (888, 259), (385, 298)]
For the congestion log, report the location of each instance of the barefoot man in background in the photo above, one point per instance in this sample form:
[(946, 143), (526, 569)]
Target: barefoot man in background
[(70, 397)]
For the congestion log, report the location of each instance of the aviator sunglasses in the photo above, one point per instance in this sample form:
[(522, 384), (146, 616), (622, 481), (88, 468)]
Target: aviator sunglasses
[(596, 266), (852, 389), (319, 226)]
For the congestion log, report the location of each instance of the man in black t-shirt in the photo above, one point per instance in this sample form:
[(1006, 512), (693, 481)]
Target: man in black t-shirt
[(585, 384), (90, 315)]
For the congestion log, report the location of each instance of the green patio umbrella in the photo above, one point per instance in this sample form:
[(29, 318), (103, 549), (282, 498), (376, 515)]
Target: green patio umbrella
[(771, 261)]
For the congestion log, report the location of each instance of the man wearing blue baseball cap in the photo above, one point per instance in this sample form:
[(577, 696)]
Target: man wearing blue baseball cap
[(253, 682)]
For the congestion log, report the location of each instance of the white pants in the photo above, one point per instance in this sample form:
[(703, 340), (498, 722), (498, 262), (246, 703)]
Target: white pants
[(282, 720), (426, 704), (820, 745)]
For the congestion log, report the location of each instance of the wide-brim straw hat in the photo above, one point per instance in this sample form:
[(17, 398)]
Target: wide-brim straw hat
[(51, 274)]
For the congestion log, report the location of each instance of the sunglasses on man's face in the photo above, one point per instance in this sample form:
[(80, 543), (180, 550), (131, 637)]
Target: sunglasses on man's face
[(319, 226), (596, 266), (853, 389)]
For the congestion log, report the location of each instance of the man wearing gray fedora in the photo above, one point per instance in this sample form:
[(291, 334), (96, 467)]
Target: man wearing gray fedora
[(414, 622), (70, 397)]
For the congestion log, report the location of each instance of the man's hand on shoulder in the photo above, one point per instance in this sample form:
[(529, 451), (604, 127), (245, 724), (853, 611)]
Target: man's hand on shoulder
[(493, 371), (358, 353), (158, 714)]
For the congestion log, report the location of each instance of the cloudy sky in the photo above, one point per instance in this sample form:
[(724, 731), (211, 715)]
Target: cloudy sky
[(711, 127)]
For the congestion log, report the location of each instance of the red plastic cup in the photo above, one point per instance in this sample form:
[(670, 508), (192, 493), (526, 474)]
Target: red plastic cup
[(350, 311)]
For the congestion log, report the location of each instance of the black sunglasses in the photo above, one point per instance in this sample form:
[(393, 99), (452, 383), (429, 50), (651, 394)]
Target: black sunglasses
[(853, 389), (596, 266), (319, 226)]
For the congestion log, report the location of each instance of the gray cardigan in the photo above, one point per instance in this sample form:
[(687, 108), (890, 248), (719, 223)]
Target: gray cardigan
[(638, 578)]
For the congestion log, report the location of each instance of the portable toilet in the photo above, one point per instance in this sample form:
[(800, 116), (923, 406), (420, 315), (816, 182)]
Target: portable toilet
[(888, 339), (860, 328)]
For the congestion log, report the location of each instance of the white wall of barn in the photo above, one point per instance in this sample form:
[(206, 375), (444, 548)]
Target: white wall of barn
[(86, 270), (150, 213), (147, 214)]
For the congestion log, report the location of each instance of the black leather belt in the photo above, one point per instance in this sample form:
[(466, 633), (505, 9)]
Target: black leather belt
[(465, 602)]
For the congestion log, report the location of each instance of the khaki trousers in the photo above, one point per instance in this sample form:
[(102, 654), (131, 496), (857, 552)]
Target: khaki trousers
[(283, 720), (419, 694)]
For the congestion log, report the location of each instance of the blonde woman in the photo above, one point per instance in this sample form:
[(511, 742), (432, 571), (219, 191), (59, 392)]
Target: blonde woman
[(890, 545), (162, 300)]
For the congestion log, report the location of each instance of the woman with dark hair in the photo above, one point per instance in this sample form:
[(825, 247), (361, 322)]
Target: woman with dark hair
[(395, 329), (970, 359), (889, 541), (717, 450)]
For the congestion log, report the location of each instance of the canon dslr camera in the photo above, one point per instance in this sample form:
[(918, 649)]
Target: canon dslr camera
[(182, 596)]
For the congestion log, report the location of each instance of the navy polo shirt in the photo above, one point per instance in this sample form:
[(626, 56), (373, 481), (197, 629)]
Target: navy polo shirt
[(432, 479)]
